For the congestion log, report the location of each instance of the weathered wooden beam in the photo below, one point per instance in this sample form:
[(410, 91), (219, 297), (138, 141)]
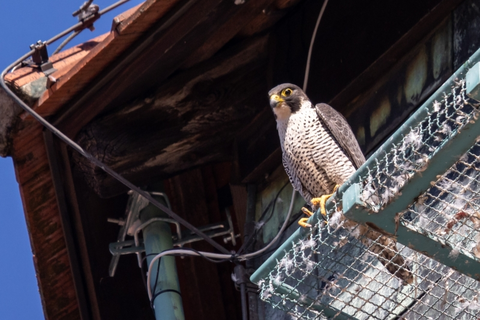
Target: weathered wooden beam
[(174, 39), (207, 290), (394, 54), (52, 266), (188, 122)]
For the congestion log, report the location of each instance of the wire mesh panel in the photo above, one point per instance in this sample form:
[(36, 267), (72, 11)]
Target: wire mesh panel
[(421, 188), (333, 274), (449, 210)]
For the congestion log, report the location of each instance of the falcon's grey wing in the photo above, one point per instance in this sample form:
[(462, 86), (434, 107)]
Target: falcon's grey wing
[(341, 131)]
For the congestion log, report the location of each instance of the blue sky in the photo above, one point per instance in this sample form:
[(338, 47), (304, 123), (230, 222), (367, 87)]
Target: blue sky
[(23, 23)]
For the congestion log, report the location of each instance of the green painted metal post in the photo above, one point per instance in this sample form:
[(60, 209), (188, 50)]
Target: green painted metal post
[(157, 238)]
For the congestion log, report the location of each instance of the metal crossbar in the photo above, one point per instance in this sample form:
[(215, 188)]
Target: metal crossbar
[(420, 188)]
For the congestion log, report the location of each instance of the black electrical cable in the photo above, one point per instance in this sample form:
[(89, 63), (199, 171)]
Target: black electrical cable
[(66, 41), (156, 281), (163, 291), (99, 163), (247, 243), (294, 219), (158, 270)]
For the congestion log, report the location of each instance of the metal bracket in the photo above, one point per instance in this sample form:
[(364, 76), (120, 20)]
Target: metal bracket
[(212, 230), (135, 203), (130, 225), (40, 57), (125, 247), (146, 223), (88, 14)]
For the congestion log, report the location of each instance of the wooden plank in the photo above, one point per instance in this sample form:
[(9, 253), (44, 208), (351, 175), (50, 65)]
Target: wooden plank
[(180, 126), (146, 15), (238, 17), (90, 66), (205, 290), (44, 225), (390, 57), (377, 111), (61, 61), (73, 229), (156, 58)]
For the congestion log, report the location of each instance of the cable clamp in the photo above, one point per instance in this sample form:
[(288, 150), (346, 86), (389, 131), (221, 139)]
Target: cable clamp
[(87, 14), (40, 57)]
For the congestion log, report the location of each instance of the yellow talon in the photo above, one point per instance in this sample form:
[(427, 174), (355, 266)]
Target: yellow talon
[(320, 202), (303, 223), (307, 212)]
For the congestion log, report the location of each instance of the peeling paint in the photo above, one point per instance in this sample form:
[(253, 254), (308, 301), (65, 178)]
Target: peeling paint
[(379, 116), (440, 53), (361, 135), (35, 89), (416, 76), (399, 94)]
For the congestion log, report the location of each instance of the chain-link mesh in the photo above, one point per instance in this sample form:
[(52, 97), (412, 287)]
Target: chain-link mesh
[(333, 273), (449, 210), (345, 270)]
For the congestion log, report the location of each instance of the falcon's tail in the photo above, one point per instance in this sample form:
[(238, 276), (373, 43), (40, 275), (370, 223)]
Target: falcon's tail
[(384, 247)]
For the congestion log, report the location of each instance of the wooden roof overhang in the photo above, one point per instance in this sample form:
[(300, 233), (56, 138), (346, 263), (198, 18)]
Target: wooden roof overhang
[(171, 88), (146, 45)]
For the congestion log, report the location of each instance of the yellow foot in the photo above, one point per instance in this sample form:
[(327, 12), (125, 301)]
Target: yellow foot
[(303, 222), (307, 212), (320, 202)]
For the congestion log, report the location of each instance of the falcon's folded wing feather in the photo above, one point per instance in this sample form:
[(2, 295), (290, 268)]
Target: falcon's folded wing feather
[(341, 131)]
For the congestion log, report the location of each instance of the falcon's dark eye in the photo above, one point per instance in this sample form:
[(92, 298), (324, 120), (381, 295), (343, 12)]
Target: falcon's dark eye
[(287, 92)]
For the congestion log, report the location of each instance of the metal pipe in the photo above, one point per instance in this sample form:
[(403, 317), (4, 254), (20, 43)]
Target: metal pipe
[(97, 162), (145, 224), (243, 294), (87, 155), (157, 236), (241, 280)]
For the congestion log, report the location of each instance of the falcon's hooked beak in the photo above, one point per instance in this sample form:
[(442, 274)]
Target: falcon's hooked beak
[(274, 100), (280, 108)]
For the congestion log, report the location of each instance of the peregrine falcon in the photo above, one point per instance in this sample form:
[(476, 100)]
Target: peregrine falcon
[(319, 153)]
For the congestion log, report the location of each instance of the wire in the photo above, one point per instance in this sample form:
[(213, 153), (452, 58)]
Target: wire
[(213, 257), (91, 158), (310, 49), (284, 226), (246, 243), (185, 252), (152, 300), (85, 6), (66, 41)]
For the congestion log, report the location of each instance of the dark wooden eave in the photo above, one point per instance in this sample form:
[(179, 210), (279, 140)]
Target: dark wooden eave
[(169, 89), (146, 43)]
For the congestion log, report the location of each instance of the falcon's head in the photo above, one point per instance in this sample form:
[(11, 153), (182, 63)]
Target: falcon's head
[(286, 99)]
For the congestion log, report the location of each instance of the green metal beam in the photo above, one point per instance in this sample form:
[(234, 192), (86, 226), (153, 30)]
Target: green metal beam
[(157, 238), (441, 161)]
